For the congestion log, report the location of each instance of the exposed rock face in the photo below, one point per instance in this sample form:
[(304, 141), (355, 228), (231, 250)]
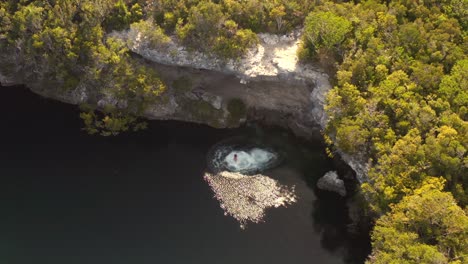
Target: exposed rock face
[(358, 163), (274, 86), (273, 78), (331, 182), (7, 81)]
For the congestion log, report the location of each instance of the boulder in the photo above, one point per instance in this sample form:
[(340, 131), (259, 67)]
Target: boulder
[(331, 182), (7, 81)]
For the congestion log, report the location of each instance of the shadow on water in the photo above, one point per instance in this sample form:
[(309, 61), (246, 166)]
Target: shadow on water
[(330, 212), (71, 198)]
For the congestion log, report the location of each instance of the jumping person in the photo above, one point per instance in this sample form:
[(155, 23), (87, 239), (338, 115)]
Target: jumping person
[(235, 157)]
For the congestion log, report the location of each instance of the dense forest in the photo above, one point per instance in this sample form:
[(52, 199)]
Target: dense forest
[(399, 102)]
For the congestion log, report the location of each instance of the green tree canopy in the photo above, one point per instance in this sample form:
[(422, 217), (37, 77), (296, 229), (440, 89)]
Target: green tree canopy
[(425, 227), (325, 30)]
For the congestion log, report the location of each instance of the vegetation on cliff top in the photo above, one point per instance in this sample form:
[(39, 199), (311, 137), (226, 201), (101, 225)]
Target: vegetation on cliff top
[(400, 99), (400, 102), (64, 44)]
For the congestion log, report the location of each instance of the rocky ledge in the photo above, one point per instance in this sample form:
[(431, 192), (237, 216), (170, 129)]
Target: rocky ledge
[(267, 85), (272, 61), (331, 182), (276, 87)]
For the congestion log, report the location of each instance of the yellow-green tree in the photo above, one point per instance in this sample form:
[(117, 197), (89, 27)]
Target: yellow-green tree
[(427, 226)]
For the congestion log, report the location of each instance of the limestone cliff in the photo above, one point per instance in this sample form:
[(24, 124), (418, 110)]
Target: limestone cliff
[(271, 80), (275, 88)]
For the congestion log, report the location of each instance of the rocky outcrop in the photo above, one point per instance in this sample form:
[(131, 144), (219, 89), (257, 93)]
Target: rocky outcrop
[(275, 88), (358, 163), (273, 78), (7, 81), (331, 182)]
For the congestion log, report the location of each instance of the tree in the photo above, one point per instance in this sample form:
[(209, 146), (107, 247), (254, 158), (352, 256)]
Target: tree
[(150, 34), (352, 136), (62, 45), (119, 17), (203, 25), (425, 227), (397, 173), (232, 42), (447, 151), (5, 21), (325, 30), (278, 13), (110, 122), (454, 88)]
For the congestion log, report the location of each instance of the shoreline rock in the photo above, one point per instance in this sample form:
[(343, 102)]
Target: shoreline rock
[(275, 87), (331, 182), (6, 81)]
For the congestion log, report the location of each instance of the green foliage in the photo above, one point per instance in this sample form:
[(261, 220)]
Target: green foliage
[(226, 28), (402, 75), (454, 88), (204, 21), (276, 16), (325, 30), (400, 98), (400, 102), (351, 137), (110, 123), (425, 227), (65, 43), (208, 30), (233, 43), (151, 33), (121, 16), (277, 13), (5, 21)]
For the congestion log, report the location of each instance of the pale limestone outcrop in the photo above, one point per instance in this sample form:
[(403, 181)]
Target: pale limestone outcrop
[(275, 87), (274, 59), (331, 182)]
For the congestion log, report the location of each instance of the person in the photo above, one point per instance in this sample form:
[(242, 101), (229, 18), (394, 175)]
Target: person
[(235, 157)]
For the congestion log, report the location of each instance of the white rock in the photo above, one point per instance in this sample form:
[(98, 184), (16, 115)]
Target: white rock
[(331, 182)]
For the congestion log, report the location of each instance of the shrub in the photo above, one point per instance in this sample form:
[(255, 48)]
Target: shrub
[(234, 47), (151, 33)]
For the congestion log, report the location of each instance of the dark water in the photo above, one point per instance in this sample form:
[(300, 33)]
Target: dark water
[(66, 197)]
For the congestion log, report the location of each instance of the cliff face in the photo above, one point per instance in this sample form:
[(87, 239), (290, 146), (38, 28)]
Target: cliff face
[(274, 87), (270, 77), (7, 81)]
